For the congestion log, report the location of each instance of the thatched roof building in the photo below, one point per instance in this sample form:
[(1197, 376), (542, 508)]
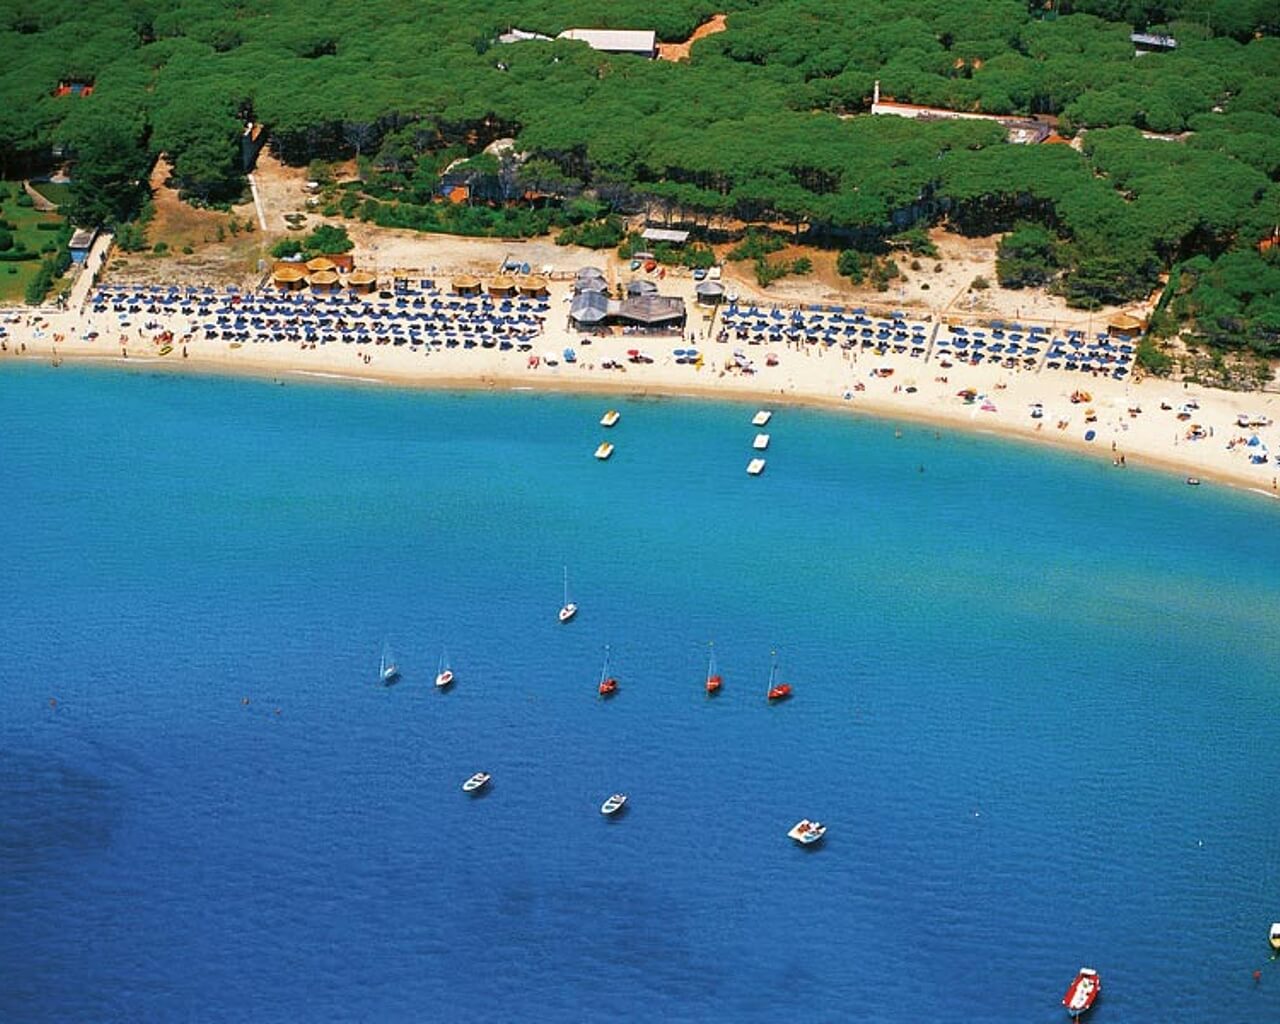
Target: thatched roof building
[(324, 281), (1123, 323), (362, 281), (289, 277)]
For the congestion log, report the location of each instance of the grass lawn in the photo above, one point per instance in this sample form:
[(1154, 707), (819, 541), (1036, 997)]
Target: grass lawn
[(15, 276), (55, 192)]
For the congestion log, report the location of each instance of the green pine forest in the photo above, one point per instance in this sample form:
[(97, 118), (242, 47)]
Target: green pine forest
[(762, 125)]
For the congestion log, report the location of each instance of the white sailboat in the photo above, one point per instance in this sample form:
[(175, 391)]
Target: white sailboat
[(444, 674), (388, 669), (567, 610)]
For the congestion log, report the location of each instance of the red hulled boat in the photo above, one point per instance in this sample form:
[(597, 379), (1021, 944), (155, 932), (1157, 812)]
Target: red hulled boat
[(608, 684), (1083, 991), (777, 691), (714, 682)]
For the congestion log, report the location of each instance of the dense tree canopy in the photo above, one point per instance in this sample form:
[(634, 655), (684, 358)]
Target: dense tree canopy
[(763, 123)]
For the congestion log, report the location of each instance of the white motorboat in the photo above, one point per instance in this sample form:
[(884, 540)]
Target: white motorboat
[(761, 442), (610, 418), (604, 450), (614, 804), (388, 670), (444, 674), (755, 467), (476, 783), (567, 610), (807, 832), (761, 418), (1274, 937)]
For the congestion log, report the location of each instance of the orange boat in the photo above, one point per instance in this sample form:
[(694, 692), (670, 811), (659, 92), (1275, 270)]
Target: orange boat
[(608, 684), (714, 682), (777, 691)]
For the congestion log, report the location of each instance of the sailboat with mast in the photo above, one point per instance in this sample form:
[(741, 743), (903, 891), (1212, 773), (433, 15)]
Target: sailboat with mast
[(567, 610), (777, 691), (608, 684), (714, 681), (444, 674), (388, 669)]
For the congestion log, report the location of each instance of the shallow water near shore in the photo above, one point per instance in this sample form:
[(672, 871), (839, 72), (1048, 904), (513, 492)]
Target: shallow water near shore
[(1035, 699)]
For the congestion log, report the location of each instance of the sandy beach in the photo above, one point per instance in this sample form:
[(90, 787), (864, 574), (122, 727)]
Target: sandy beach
[(1135, 423)]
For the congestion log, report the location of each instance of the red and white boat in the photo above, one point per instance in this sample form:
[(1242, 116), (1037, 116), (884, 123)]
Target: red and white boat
[(608, 684), (714, 682), (806, 832), (1083, 991), (777, 691)]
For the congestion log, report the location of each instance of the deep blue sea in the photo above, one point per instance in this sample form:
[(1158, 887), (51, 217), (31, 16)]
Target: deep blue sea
[(1037, 699)]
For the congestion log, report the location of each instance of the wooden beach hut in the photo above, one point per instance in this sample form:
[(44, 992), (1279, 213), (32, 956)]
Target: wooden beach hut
[(589, 279), (362, 281), (652, 312), (589, 309), (502, 287), (289, 277), (325, 281), (466, 285), (534, 287), (1123, 323), (710, 293)]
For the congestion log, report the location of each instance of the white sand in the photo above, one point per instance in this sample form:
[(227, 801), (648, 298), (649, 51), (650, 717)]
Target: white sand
[(812, 374)]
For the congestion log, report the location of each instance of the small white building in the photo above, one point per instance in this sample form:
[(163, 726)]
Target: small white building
[(668, 235), (81, 242), (616, 40)]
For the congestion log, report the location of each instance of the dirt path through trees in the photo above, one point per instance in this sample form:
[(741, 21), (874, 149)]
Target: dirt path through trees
[(680, 51)]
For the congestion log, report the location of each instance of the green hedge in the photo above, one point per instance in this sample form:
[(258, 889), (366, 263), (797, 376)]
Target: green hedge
[(14, 256)]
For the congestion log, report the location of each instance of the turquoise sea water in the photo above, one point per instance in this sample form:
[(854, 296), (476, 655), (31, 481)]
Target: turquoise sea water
[(1037, 700)]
